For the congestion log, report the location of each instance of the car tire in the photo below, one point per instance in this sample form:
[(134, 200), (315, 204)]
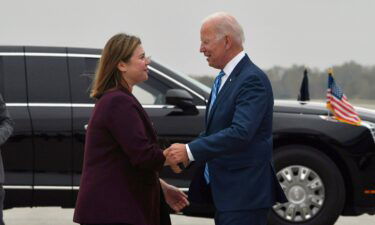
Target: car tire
[(310, 180)]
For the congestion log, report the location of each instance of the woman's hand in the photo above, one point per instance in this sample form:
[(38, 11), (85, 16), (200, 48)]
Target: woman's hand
[(175, 198)]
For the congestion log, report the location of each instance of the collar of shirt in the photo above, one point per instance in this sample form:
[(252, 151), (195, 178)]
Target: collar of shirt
[(228, 69)]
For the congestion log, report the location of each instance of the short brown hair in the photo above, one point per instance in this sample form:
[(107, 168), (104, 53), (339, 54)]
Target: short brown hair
[(118, 48)]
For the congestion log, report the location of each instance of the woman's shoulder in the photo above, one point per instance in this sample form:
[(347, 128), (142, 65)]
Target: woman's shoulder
[(113, 95), (116, 98)]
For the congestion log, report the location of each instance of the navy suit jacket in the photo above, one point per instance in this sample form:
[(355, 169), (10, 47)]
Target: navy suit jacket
[(237, 143)]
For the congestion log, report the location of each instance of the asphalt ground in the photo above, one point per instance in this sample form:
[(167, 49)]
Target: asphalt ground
[(59, 216)]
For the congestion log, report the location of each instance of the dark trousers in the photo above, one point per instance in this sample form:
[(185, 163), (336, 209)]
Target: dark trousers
[(245, 217)]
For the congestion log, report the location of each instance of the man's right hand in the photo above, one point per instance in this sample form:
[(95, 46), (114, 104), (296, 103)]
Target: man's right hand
[(168, 162)]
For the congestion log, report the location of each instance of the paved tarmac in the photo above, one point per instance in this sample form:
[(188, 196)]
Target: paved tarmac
[(59, 216)]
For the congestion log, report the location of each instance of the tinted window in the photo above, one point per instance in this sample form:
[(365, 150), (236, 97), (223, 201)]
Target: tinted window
[(1, 76), (12, 79), (175, 85), (47, 79), (81, 71), (151, 92)]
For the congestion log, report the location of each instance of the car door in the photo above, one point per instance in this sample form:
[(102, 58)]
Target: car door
[(50, 110), (17, 152), (82, 65)]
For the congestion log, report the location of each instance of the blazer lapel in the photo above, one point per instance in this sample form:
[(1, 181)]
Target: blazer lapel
[(226, 88), (146, 119)]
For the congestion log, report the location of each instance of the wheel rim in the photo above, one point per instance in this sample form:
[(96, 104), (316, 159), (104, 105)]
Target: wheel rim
[(305, 192)]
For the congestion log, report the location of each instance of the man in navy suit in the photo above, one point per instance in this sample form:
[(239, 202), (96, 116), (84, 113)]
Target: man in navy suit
[(236, 146)]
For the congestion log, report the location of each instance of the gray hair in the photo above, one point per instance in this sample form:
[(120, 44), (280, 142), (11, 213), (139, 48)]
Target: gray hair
[(226, 24)]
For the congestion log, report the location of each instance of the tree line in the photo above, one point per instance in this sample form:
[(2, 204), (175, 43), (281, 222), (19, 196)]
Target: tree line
[(356, 80)]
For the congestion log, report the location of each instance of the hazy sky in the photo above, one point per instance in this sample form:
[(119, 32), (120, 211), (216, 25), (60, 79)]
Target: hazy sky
[(316, 33)]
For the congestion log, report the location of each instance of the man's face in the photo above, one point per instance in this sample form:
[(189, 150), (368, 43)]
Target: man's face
[(212, 47)]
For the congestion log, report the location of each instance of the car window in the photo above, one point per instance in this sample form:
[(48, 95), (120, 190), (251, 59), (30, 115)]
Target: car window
[(47, 79), (81, 72), (12, 78), (151, 92)]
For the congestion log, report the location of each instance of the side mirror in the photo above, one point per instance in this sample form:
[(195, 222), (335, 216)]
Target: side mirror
[(183, 100)]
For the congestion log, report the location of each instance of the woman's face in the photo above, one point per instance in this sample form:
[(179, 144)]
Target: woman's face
[(135, 70)]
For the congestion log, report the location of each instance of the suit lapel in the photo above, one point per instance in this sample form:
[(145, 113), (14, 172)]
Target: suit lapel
[(226, 88), (207, 107)]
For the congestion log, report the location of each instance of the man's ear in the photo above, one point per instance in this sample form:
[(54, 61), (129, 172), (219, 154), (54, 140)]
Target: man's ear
[(228, 42), (122, 66)]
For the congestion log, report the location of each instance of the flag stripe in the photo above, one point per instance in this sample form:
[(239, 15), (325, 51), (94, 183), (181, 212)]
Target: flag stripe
[(343, 115), (338, 107), (344, 104), (338, 103), (342, 108)]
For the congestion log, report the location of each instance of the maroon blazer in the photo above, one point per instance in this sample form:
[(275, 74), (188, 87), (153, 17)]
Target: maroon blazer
[(120, 182)]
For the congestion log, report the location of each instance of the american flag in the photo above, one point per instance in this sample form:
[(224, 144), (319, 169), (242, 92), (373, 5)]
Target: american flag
[(338, 104)]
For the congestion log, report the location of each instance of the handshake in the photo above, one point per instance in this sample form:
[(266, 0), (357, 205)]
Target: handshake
[(176, 156)]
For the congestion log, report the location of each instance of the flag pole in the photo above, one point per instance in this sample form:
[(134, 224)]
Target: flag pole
[(330, 72)]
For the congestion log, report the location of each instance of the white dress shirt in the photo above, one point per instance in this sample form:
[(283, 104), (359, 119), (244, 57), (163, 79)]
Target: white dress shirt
[(228, 69)]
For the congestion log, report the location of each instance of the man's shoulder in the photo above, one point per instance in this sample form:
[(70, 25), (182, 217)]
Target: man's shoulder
[(252, 71), (251, 74)]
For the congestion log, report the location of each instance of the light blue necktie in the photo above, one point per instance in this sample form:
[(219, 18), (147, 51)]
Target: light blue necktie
[(214, 93)]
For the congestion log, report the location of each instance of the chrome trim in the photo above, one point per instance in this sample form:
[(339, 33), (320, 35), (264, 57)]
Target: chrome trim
[(45, 54), (16, 104), (83, 105), (181, 189), (159, 106), (28, 187), (11, 54), (77, 55), (52, 188), (37, 187), (50, 104), (87, 105), (176, 82), (17, 187)]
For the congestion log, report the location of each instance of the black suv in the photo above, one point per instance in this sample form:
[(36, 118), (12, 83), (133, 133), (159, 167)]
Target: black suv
[(47, 95)]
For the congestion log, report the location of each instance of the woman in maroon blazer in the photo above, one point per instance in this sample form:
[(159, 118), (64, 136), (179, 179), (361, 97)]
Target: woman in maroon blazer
[(120, 183)]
